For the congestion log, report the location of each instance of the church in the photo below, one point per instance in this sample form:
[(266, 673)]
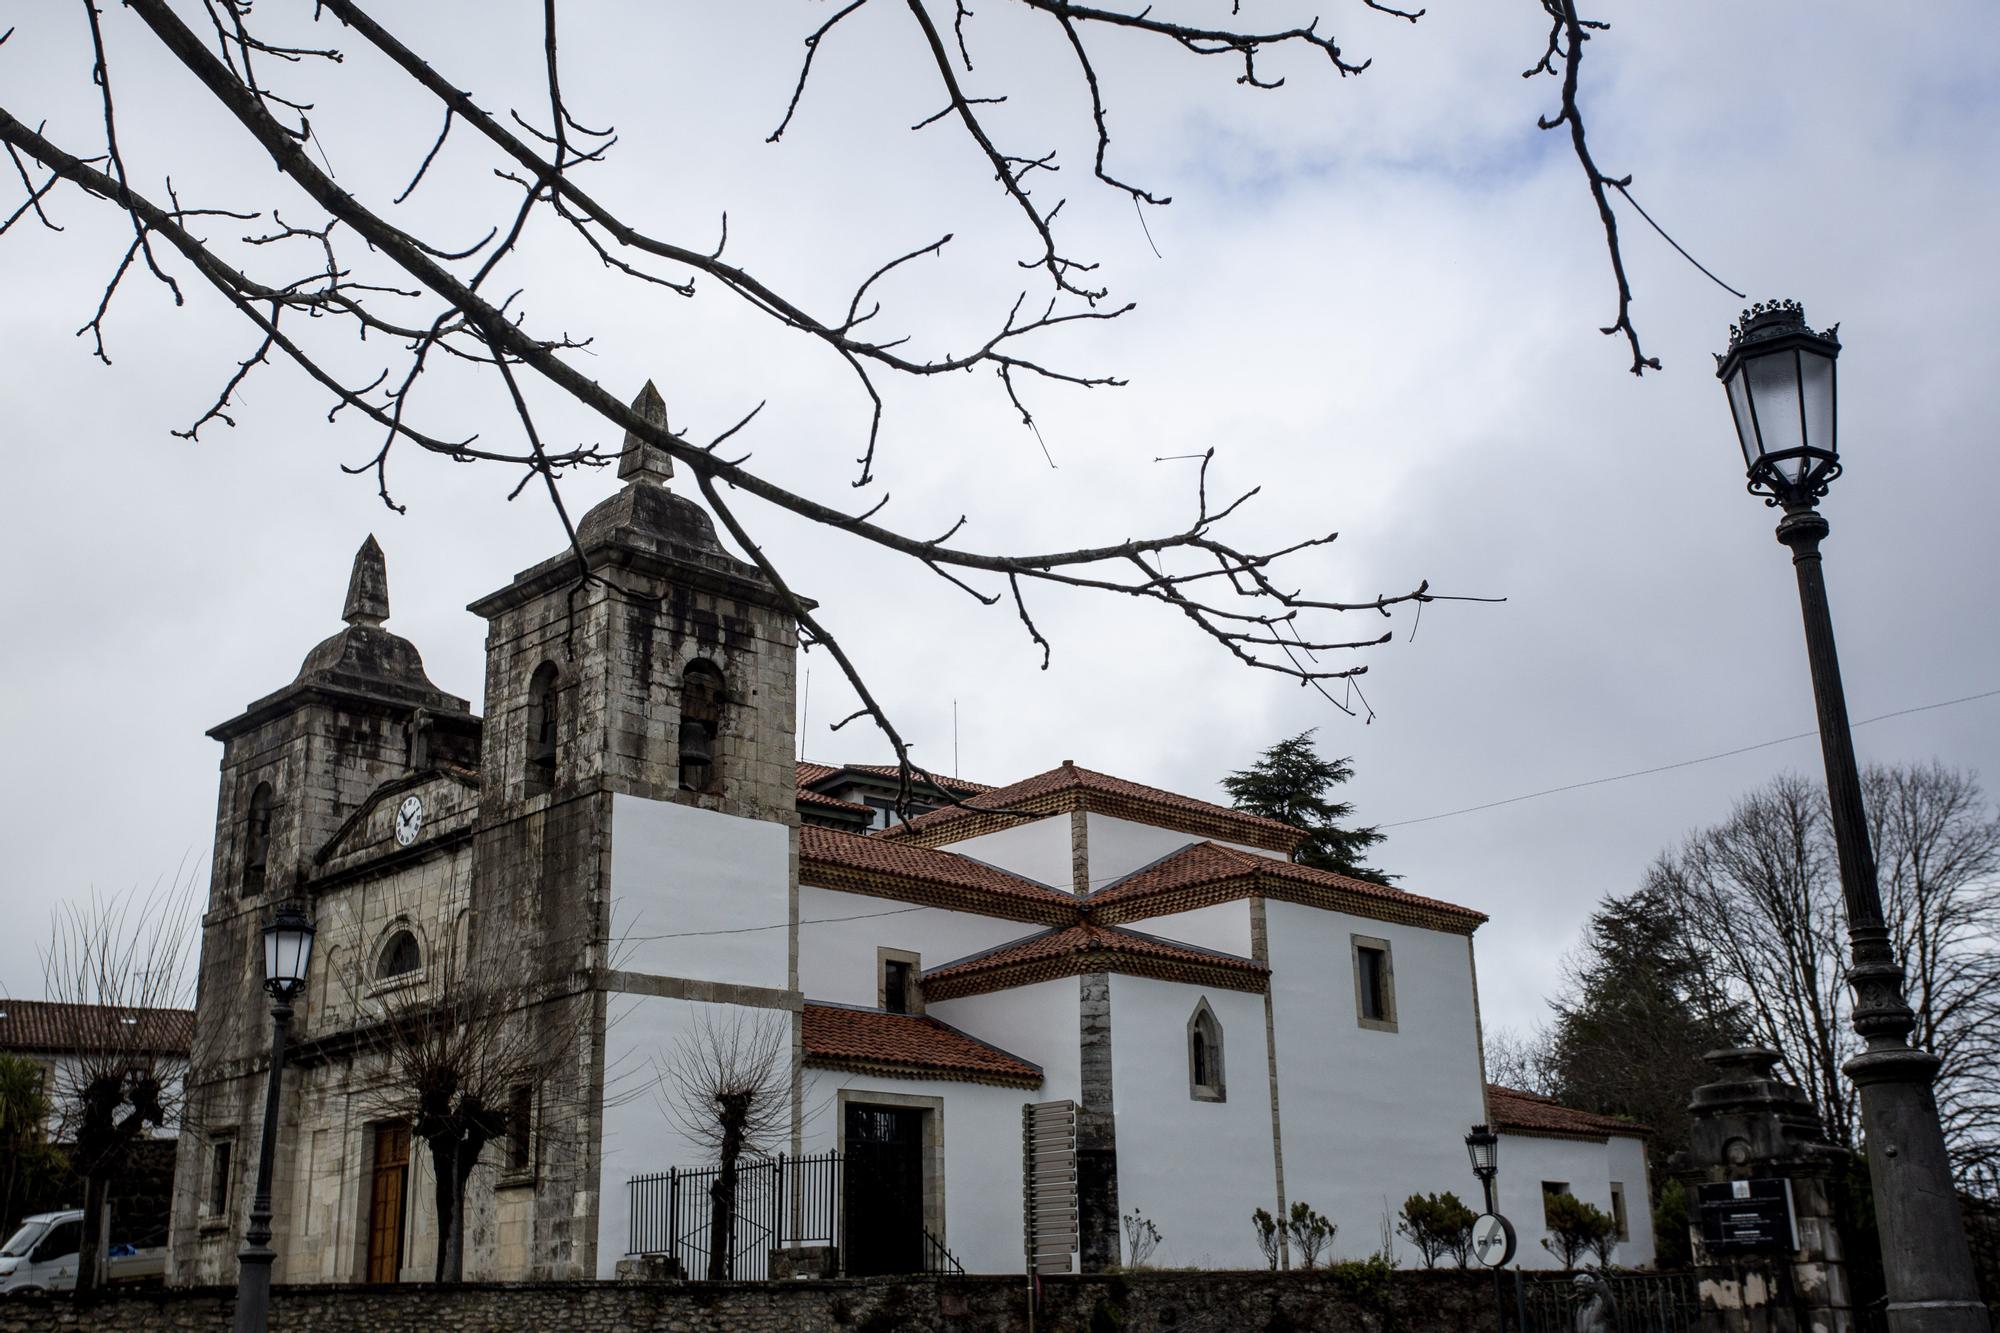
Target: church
[(626, 839)]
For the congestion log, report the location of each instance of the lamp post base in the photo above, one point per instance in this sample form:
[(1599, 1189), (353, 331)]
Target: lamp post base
[(253, 1288)]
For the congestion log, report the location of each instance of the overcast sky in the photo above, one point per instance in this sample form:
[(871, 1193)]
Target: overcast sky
[(1378, 297)]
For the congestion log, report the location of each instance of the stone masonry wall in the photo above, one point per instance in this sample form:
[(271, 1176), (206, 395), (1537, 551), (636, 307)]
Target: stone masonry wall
[(1354, 1300)]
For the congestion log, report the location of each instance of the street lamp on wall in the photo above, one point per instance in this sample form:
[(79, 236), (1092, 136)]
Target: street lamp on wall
[(288, 945), (1779, 377)]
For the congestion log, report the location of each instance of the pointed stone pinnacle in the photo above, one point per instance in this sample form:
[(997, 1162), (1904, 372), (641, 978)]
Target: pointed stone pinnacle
[(640, 461), (367, 587)]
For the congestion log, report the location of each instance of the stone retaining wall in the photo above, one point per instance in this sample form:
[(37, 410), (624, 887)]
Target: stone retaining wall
[(1352, 1299)]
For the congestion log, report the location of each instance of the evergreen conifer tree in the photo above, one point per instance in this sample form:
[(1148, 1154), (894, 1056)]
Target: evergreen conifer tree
[(1290, 782)]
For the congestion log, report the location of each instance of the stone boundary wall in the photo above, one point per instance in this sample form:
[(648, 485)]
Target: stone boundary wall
[(1352, 1299)]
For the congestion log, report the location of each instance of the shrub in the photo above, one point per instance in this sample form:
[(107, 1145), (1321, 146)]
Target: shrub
[(1437, 1225), (1267, 1235), (1576, 1228), (1311, 1233), (1141, 1239)]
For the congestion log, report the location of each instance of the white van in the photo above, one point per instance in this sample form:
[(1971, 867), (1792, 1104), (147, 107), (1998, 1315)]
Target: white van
[(42, 1256)]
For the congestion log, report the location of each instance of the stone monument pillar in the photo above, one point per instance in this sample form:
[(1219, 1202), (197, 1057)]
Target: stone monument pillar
[(1760, 1179)]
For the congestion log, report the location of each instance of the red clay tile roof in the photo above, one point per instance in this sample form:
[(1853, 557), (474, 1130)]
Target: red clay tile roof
[(835, 859), (907, 1046), (894, 774), (1090, 948), (1209, 873), (1519, 1112), (807, 774), (45, 1026), (809, 797), (1069, 787)]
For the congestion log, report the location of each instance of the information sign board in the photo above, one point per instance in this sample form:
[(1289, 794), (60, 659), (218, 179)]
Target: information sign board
[(1747, 1215)]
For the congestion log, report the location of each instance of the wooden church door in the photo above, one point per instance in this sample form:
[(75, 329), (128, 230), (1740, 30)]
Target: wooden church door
[(387, 1206)]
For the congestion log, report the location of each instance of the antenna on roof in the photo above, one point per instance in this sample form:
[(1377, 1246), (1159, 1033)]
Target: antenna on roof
[(805, 712), (956, 771)]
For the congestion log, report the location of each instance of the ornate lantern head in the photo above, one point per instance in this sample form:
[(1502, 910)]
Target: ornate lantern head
[(288, 946), (1780, 380)]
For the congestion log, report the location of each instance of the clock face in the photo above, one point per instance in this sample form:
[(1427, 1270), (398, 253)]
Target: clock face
[(1492, 1240), (409, 819)]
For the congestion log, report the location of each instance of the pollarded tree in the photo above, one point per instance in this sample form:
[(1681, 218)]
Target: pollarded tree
[(1290, 782), (462, 292), (466, 1055), (727, 1085), (117, 968)]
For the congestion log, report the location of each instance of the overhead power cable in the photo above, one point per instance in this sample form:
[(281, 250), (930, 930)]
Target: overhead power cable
[(1684, 763)]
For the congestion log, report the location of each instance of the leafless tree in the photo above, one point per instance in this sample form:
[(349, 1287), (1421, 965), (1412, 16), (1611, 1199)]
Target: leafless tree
[(317, 257), (458, 1054), (727, 1085), (1519, 1062), (121, 966), (1761, 895)]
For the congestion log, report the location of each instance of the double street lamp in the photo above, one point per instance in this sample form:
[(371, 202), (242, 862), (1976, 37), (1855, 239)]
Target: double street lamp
[(1780, 379), (288, 943)]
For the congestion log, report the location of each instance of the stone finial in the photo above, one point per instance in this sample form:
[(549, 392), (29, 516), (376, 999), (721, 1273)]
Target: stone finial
[(367, 587), (640, 461)]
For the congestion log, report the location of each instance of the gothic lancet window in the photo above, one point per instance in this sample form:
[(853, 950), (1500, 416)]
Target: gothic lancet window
[(702, 697), (257, 839), (543, 714), (1205, 1073)]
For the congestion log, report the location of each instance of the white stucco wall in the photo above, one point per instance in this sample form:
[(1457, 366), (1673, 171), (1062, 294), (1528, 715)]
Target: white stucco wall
[(981, 1130), (680, 873), (1039, 1023), (1038, 850), (1119, 846), (1588, 1168), (1224, 927), (1196, 1169), (1371, 1117), (840, 932), (640, 1133)]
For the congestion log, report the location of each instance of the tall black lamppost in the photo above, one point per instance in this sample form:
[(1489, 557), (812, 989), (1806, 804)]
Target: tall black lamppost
[(288, 942), (1780, 378)]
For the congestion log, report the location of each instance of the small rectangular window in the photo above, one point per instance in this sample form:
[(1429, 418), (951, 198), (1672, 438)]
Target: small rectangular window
[(1620, 1230), (1551, 1189), (1374, 984), (220, 1152), (896, 988), (520, 1128)]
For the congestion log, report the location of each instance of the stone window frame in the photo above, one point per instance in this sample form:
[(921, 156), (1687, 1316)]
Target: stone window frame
[(514, 1175), (1620, 1215), (1217, 1088), (1387, 1022), (914, 994), (933, 1152), (1551, 1189), (377, 984), (254, 876), (211, 1215), (540, 770)]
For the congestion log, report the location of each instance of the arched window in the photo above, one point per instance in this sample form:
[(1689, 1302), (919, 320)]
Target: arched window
[(257, 839), (702, 696), (544, 712), (1205, 1075), (400, 956)]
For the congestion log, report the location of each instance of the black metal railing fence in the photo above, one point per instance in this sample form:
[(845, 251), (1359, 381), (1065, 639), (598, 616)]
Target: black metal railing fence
[(1624, 1302)]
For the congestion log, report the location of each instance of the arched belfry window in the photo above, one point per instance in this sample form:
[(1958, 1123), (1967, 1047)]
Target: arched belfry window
[(257, 839), (702, 696), (544, 713), (400, 956), (1205, 1073)]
